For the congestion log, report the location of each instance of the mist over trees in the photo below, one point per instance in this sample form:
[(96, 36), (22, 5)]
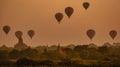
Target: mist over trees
[(89, 55)]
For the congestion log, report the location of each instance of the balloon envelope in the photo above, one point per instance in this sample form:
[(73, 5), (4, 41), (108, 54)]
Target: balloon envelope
[(86, 5), (113, 34), (59, 17), (6, 29), (31, 33), (18, 34), (90, 33), (69, 11)]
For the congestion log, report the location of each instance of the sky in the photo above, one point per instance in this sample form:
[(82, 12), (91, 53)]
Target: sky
[(39, 15)]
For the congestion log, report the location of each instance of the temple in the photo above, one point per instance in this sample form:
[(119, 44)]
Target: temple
[(20, 45)]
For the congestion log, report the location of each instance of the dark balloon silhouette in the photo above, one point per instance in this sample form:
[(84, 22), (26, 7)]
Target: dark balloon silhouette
[(18, 34), (6, 29), (59, 17), (86, 5), (90, 33), (31, 33), (69, 11), (113, 34)]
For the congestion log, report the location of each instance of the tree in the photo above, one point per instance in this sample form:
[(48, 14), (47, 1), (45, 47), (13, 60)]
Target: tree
[(46, 63), (29, 53), (14, 54), (94, 54), (65, 63), (81, 47), (25, 62), (68, 50), (84, 54), (103, 49), (4, 55)]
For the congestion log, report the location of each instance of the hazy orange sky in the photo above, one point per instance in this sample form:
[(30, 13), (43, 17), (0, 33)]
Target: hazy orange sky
[(102, 16)]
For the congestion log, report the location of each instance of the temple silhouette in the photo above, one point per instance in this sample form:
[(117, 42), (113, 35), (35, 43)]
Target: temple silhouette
[(20, 45)]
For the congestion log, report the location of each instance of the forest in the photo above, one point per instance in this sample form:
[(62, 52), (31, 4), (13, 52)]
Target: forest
[(87, 55)]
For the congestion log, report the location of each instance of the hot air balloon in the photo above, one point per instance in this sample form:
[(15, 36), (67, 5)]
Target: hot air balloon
[(69, 11), (90, 33), (59, 17), (6, 29), (113, 34), (86, 5), (31, 33), (18, 34)]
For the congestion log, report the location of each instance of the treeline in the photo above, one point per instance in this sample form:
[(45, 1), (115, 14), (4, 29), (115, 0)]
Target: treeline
[(24, 62), (62, 56)]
